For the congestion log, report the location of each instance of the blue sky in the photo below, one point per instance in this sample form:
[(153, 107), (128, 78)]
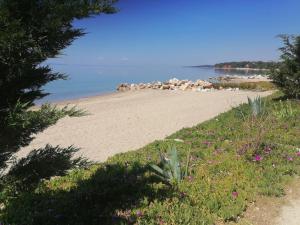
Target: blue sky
[(184, 32)]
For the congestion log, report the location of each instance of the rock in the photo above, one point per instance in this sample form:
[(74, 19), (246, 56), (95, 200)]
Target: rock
[(172, 87), (208, 85), (142, 86), (123, 87), (165, 87), (174, 81), (172, 84), (184, 87)]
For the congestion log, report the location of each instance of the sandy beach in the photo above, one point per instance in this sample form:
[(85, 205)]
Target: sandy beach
[(126, 121)]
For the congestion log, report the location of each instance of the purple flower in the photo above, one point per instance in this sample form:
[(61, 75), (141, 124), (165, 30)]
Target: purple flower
[(139, 213), (257, 158), (208, 143), (298, 153), (235, 194), (267, 150), (290, 158)]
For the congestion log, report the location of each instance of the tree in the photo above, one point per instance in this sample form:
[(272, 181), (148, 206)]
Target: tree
[(287, 76), (32, 31)]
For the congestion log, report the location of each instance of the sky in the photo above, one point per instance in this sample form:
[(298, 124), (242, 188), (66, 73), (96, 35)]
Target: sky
[(184, 32)]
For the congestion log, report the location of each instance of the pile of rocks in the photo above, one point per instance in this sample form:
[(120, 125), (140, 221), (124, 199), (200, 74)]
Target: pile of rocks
[(172, 84)]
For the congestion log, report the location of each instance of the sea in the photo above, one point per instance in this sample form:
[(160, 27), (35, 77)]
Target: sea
[(91, 80)]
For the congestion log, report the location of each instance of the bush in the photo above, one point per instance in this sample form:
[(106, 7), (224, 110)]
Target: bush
[(32, 31), (257, 86), (287, 76)]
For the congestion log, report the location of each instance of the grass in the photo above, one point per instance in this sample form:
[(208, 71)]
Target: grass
[(258, 86), (234, 158)]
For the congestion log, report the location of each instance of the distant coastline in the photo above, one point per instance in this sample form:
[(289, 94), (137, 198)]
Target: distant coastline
[(243, 65)]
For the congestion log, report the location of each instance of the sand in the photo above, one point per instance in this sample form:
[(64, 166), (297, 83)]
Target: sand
[(122, 122), (289, 212)]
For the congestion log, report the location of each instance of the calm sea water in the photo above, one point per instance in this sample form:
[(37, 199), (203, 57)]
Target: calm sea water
[(87, 81)]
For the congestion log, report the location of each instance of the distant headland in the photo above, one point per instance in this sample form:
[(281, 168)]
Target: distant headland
[(243, 65)]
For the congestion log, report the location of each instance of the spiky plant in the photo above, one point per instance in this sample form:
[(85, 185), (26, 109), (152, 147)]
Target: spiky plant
[(170, 169), (257, 106)]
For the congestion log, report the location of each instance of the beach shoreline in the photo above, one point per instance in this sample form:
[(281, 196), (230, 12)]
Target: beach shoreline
[(125, 121)]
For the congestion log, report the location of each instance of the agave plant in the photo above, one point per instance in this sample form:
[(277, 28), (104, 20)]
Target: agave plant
[(170, 170), (257, 106)]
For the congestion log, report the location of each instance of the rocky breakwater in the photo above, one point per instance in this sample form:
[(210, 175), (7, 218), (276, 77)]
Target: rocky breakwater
[(172, 84)]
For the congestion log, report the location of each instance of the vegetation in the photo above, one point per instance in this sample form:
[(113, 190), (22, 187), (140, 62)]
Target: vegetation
[(257, 86), (257, 106), (171, 171), (287, 76), (247, 64), (33, 31), (233, 159)]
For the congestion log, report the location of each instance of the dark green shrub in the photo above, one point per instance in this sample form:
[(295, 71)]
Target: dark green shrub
[(32, 31), (287, 76)]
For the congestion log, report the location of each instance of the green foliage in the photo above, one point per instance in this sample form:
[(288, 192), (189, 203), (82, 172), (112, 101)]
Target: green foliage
[(58, 161), (248, 64), (287, 76), (285, 110), (21, 124), (171, 170), (257, 86), (32, 31), (232, 161)]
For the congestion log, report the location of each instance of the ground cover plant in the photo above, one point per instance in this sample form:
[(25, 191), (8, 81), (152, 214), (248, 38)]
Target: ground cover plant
[(233, 159), (258, 86)]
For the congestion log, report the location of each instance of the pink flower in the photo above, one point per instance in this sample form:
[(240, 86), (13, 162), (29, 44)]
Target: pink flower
[(235, 194), (139, 213), (190, 178), (290, 158), (208, 143), (257, 158), (298, 153)]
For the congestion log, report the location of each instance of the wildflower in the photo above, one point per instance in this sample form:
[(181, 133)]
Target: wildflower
[(298, 153), (235, 194), (290, 158), (217, 151), (190, 178), (257, 158), (267, 150), (139, 213), (208, 143)]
